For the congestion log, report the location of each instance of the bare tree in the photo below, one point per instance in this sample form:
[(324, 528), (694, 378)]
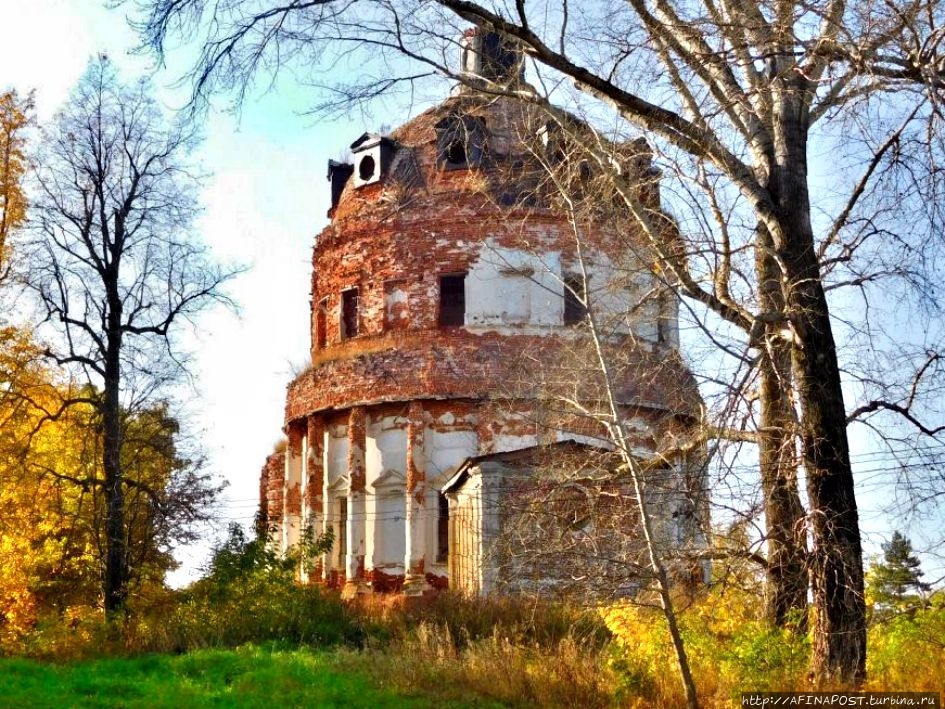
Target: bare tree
[(736, 98), (115, 267)]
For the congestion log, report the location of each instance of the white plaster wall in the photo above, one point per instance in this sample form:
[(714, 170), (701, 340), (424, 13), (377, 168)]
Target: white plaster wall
[(503, 442), (385, 461), (386, 447), (388, 547), (513, 287), (336, 470), (444, 450), (669, 319), (292, 522), (624, 302), (336, 453)]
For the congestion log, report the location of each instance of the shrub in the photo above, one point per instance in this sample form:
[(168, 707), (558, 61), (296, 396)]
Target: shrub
[(729, 646), (250, 595), (907, 651)]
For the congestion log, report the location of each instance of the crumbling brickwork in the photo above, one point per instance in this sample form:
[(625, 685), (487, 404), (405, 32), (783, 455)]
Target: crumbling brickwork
[(439, 333)]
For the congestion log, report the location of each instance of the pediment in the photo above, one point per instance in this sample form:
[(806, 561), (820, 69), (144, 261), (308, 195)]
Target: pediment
[(339, 486), (389, 481)]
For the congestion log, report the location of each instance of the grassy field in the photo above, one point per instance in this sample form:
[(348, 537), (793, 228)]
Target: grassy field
[(247, 635), (245, 677)]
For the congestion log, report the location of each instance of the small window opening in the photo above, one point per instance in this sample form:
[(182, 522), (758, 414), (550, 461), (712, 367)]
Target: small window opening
[(342, 532), (321, 324), (584, 172), (461, 141), (366, 168), (443, 530), (456, 154), (574, 299), (349, 313), (452, 300)]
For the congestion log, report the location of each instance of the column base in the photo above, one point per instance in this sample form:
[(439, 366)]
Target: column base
[(353, 589), (416, 585)]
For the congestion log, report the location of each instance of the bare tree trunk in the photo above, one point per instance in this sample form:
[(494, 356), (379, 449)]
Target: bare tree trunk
[(837, 558), (786, 573), (113, 257), (836, 561), (116, 557)]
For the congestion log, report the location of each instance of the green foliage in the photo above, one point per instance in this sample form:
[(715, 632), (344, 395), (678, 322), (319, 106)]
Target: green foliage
[(894, 584), (908, 649), (239, 557), (448, 650), (250, 595)]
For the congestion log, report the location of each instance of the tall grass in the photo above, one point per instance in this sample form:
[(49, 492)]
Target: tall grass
[(513, 652)]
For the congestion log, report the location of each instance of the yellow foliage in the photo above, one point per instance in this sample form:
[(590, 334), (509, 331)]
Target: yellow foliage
[(51, 497), (906, 652), (728, 645), (15, 116), (47, 548)]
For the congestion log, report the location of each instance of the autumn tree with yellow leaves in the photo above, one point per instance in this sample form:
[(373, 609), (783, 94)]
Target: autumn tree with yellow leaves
[(15, 119), (97, 482), (52, 503)]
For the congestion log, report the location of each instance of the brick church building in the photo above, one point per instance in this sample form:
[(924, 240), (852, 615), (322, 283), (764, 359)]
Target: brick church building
[(449, 352)]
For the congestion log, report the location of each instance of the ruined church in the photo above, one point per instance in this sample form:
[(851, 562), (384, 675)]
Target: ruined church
[(449, 429)]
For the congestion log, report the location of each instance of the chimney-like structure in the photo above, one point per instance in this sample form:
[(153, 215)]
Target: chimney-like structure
[(491, 57)]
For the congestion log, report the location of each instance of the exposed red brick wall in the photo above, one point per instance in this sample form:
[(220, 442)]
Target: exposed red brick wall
[(392, 241), (356, 431), (272, 486), (415, 475), (405, 365), (315, 484)]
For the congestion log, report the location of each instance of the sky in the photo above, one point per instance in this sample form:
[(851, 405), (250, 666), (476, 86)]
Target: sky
[(264, 201), (266, 198)]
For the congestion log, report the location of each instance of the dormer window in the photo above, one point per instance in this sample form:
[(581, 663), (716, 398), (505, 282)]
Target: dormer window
[(366, 168), (460, 141), (372, 157)]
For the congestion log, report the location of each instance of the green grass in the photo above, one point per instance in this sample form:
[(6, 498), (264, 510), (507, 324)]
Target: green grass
[(245, 677)]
